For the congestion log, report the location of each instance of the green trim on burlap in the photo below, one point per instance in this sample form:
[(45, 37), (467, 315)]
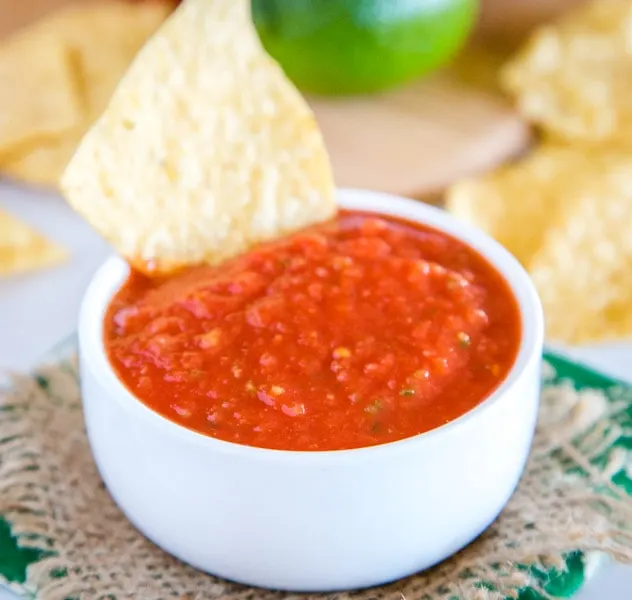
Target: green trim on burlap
[(34, 563)]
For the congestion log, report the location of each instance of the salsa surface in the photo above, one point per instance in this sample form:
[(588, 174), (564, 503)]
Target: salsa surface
[(361, 331)]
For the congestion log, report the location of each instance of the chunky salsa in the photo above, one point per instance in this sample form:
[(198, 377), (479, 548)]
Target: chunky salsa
[(361, 331)]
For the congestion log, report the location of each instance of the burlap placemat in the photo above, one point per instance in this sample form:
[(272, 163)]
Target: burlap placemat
[(62, 537)]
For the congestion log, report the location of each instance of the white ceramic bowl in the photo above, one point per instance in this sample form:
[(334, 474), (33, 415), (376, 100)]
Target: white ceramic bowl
[(315, 521)]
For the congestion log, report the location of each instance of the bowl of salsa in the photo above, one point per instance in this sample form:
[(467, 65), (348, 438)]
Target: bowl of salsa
[(334, 410)]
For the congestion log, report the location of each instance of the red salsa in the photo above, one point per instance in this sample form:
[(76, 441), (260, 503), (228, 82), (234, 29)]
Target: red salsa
[(361, 331)]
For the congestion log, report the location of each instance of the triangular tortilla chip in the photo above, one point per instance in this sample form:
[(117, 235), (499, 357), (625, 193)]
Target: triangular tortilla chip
[(23, 249), (566, 214), (516, 203), (574, 76), (102, 39), (38, 98), (205, 150), (43, 163), (583, 269)]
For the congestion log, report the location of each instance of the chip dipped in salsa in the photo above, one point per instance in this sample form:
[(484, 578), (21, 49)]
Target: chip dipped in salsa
[(363, 330)]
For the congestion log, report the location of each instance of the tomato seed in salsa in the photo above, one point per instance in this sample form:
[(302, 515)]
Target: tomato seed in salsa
[(361, 331)]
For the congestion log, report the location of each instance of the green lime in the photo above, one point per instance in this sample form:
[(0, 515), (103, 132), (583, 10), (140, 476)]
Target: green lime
[(361, 46)]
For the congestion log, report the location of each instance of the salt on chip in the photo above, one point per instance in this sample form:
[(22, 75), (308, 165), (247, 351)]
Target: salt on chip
[(516, 203), (583, 269), (574, 77), (38, 98), (23, 249), (205, 150)]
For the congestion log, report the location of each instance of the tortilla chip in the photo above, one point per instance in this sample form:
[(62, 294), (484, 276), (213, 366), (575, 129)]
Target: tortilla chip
[(44, 163), (574, 78), (583, 269), (38, 97), (205, 150), (104, 38), (23, 249), (101, 40), (516, 203), (566, 214)]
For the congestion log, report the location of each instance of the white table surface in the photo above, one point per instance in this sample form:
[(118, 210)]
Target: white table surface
[(39, 310)]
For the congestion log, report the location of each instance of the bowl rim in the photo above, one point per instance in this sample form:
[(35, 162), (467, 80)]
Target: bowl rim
[(112, 273)]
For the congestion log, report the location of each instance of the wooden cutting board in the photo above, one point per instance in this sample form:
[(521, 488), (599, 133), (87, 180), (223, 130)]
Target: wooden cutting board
[(412, 142), (417, 140)]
